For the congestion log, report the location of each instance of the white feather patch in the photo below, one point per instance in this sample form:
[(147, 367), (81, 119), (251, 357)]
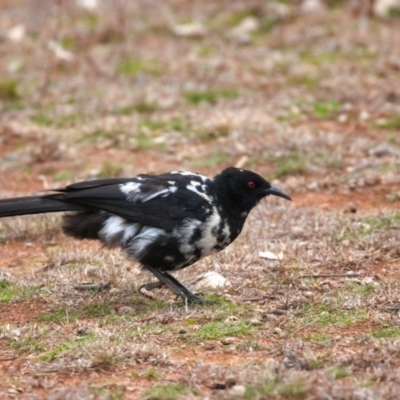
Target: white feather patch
[(133, 192), (199, 193), (146, 236), (209, 240)]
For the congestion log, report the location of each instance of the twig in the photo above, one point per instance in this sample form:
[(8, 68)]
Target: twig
[(10, 358), (275, 311), (92, 286), (271, 297), (330, 276)]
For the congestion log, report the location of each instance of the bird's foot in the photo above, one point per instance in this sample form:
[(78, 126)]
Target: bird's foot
[(192, 298), (174, 285)]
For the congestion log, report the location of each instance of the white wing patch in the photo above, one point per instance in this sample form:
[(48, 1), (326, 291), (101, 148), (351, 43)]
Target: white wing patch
[(130, 187), (117, 227), (146, 236), (133, 191), (134, 237), (198, 190)]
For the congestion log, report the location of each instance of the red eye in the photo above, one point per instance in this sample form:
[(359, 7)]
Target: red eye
[(251, 185)]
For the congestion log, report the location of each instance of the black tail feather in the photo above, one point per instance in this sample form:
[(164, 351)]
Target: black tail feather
[(35, 205)]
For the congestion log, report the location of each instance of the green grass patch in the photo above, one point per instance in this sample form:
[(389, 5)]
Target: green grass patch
[(318, 338), (394, 12), (74, 344), (180, 124), (9, 90), (146, 142), (68, 42), (59, 315), (153, 124), (65, 314), (166, 392), (209, 96), (321, 58), (56, 351), (110, 169), (274, 389), (292, 164), (58, 121), (387, 333), (293, 390), (142, 107), (392, 123), (366, 226), (260, 391), (326, 316), (107, 393), (134, 66), (42, 120), (310, 82), (338, 372), (8, 292), (26, 345), (224, 307), (63, 176), (151, 374), (210, 160), (326, 109), (218, 330), (249, 345), (97, 310)]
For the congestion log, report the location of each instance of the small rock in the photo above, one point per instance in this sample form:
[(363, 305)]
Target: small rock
[(271, 369), (278, 331), (126, 310), (310, 6), (255, 321), (364, 116), (309, 294), (182, 331), (325, 286), (382, 8), (59, 51), (226, 341), (369, 280), (270, 256), (193, 29), (244, 29), (89, 5), (114, 290), (237, 391), (16, 33), (211, 280), (231, 320), (383, 150), (92, 271)]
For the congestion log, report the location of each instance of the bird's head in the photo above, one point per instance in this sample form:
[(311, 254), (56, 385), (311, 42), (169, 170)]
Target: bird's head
[(245, 188)]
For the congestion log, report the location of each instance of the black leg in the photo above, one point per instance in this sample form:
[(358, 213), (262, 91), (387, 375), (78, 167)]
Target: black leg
[(152, 285), (173, 284)]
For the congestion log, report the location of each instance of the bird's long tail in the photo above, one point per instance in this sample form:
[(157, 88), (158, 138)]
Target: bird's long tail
[(35, 205)]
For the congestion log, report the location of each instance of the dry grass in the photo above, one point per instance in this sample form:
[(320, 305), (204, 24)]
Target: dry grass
[(308, 100)]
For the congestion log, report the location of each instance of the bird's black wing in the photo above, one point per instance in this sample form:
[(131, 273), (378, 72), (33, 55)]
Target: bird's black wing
[(161, 201)]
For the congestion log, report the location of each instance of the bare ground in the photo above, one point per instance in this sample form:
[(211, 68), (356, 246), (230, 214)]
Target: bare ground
[(309, 100)]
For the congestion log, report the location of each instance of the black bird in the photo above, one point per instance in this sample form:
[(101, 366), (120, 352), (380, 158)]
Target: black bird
[(166, 222)]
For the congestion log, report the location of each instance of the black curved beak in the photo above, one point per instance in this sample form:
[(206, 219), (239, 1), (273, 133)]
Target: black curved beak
[(274, 190)]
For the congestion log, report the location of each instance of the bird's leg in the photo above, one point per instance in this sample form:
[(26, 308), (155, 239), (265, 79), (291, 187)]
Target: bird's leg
[(152, 285), (173, 284)]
